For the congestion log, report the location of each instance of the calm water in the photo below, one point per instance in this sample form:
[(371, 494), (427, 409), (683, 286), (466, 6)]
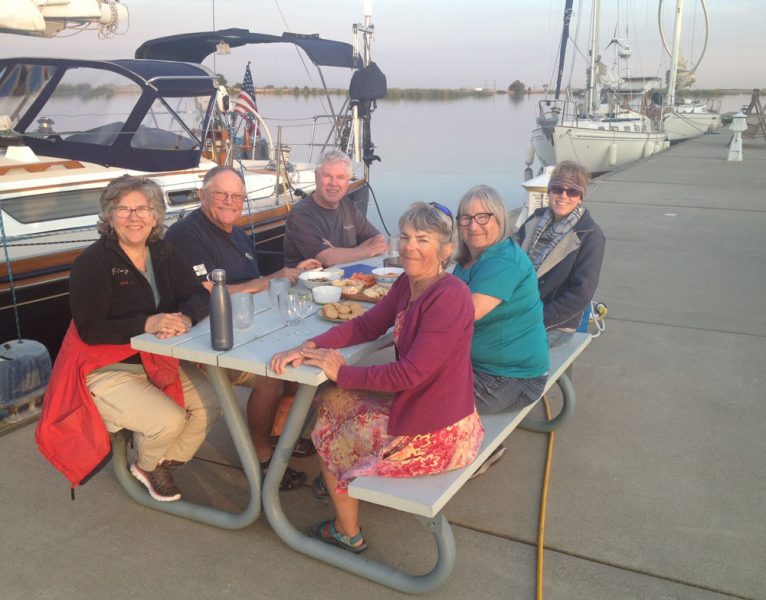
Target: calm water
[(436, 150)]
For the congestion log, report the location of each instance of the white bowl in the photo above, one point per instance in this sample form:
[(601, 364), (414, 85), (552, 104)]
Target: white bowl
[(387, 275), (312, 279), (326, 293), (334, 273)]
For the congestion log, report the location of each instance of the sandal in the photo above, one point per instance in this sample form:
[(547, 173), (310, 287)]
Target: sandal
[(335, 538), (304, 447), (290, 480), (319, 488)]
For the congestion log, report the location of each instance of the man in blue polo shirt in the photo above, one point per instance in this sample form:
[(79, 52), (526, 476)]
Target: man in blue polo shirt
[(209, 239)]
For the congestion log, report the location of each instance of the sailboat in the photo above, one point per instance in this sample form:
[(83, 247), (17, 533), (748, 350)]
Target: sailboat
[(69, 127), (604, 132), (689, 118)]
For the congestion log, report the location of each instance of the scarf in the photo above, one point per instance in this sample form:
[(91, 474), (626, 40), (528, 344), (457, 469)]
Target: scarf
[(548, 234)]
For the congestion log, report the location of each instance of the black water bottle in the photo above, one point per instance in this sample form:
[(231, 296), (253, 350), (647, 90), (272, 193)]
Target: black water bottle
[(221, 327)]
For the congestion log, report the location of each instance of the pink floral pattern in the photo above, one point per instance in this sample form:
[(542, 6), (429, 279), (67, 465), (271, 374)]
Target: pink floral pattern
[(351, 438)]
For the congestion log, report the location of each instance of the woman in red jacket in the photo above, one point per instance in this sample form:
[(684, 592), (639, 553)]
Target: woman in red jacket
[(127, 283), (426, 420)]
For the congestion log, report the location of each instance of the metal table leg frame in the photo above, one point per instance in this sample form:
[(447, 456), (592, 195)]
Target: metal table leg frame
[(567, 408), (242, 442), (353, 563)]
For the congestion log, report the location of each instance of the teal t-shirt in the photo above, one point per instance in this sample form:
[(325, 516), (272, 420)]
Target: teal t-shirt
[(510, 340)]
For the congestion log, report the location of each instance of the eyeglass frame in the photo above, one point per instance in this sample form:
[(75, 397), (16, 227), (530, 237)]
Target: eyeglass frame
[(222, 196), (149, 210), (482, 215)]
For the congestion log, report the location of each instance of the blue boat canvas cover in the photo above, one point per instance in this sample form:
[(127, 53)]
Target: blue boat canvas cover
[(153, 135)]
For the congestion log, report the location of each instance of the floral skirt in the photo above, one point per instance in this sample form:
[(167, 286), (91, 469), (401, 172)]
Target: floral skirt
[(351, 438)]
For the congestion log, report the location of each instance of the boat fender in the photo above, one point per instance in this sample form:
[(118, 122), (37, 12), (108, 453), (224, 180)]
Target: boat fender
[(528, 174), (648, 148), (25, 367), (530, 155), (612, 154)]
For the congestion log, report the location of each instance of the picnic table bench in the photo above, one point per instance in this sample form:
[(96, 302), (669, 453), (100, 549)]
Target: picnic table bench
[(425, 497)]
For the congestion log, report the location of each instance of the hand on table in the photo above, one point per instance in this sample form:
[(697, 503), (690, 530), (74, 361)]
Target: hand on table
[(327, 359), (165, 325), (292, 357)]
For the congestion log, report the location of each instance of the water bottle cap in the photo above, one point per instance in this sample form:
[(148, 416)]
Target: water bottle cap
[(217, 276)]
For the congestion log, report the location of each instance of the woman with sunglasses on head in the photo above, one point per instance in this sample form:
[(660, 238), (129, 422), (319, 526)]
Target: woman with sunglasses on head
[(566, 247), (127, 283), (426, 422), (509, 350)]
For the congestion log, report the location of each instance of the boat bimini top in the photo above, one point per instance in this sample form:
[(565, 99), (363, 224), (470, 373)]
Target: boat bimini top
[(195, 47), (145, 115)]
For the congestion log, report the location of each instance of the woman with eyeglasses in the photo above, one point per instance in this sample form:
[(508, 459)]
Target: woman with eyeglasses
[(127, 283), (509, 349), (566, 247), (426, 421)]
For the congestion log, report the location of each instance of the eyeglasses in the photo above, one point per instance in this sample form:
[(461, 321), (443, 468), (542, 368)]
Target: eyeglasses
[(222, 196), (142, 212), (480, 218), (445, 210), (560, 191)]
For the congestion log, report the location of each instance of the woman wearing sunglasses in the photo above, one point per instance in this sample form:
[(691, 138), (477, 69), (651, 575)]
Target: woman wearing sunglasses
[(566, 248), (509, 350)]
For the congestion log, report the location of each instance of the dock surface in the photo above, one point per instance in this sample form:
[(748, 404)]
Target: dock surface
[(658, 483)]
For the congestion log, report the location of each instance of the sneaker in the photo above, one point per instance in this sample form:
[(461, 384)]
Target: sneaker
[(159, 483), (491, 460), (170, 464)]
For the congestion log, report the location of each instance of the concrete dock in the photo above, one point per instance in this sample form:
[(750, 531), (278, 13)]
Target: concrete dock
[(658, 484)]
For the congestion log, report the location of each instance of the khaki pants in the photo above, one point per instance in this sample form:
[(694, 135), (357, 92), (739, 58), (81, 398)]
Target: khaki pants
[(162, 429)]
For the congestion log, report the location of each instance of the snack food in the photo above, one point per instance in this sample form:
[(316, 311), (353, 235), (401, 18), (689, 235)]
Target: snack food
[(375, 292), (367, 278), (349, 286), (342, 311)]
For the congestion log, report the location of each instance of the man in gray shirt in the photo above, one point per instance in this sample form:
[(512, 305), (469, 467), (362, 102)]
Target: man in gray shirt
[(327, 225)]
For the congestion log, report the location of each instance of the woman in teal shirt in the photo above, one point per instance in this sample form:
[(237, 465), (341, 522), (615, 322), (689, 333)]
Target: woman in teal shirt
[(509, 350)]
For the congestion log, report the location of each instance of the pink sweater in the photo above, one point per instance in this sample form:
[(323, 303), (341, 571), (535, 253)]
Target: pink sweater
[(432, 377)]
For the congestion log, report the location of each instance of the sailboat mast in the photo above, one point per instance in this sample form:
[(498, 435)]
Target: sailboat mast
[(594, 95), (671, 95), (563, 47)]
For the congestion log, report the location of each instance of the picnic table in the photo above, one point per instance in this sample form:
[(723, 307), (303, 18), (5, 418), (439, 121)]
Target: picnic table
[(252, 352)]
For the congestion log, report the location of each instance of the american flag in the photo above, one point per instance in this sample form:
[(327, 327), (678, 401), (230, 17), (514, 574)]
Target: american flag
[(246, 102)]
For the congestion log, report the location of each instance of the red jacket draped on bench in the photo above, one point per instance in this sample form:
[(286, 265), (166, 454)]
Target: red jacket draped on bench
[(71, 433)]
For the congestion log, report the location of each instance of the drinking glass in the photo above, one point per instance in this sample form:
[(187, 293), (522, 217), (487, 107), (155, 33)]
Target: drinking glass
[(393, 245), (289, 309), (277, 287), (305, 308), (242, 309)]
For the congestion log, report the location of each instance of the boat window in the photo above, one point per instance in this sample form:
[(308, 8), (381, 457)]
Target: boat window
[(88, 106), (181, 197), (52, 206), (20, 85), (162, 129)]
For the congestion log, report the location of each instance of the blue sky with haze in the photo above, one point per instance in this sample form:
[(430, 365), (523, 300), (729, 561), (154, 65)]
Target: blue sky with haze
[(429, 43)]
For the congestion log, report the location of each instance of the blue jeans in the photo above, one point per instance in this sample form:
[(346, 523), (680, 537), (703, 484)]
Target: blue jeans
[(496, 394)]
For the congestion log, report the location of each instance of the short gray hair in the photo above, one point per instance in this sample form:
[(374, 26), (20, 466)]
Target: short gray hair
[(495, 204), (215, 171), (334, 156), (427, 217), (114, 192)]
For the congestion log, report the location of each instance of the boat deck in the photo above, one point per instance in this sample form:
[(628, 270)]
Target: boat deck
[(657, 485)]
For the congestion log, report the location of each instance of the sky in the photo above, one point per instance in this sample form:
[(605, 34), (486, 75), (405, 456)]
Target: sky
[(437, 44)]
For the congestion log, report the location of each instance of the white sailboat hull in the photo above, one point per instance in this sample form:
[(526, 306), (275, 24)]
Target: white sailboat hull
[(680, 125), (600, 150)]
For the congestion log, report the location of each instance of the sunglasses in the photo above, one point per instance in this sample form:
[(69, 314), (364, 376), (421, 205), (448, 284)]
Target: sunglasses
[(445, 210), (560, 191)]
